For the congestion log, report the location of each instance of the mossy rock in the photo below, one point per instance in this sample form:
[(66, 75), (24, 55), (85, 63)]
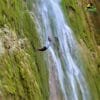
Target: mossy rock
[(22, 70)]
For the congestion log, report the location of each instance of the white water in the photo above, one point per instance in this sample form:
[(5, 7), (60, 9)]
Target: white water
[(50, 22)]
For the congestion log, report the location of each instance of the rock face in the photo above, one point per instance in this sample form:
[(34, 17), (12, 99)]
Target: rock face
[(23, 72)]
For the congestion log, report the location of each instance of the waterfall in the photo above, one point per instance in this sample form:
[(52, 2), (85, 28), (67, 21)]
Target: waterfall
[(67, 80)]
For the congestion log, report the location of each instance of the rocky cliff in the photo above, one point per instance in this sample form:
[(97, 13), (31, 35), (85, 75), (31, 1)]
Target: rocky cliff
[(84, 18), (23, 70)]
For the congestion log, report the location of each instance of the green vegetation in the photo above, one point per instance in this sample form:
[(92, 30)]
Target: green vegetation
[(83, 25), (23, 72)]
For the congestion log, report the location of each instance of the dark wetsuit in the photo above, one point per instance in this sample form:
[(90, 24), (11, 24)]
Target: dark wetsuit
[(43, 49)]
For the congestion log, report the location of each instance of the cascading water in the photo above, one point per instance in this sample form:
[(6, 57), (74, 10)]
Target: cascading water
[(62, 54)]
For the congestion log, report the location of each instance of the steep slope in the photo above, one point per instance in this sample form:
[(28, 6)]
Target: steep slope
[(85, 25), (23, 72)]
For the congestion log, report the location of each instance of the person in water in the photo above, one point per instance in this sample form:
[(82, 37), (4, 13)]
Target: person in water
[(44, 48)]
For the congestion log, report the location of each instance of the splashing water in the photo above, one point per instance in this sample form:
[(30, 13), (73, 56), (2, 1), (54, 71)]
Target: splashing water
[(63, 53)]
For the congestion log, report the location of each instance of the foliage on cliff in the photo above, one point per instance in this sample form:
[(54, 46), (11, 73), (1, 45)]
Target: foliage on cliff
[(86, 30), (23, 72)]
